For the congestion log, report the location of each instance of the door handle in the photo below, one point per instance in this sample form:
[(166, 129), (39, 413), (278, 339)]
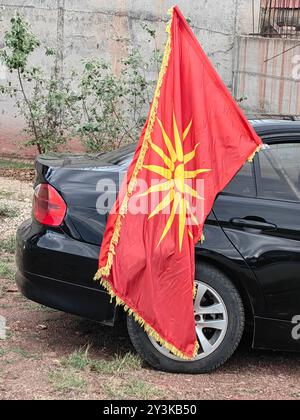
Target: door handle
[(261, 225)]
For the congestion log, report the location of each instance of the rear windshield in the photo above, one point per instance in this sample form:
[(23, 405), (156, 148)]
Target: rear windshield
[(117, 157)]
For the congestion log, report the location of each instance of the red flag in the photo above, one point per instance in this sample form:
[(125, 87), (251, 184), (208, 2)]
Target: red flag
[(195, 140)]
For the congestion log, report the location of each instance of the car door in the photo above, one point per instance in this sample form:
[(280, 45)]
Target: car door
[(264, 225)]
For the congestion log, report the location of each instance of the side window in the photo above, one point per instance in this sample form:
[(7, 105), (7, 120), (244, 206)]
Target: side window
[(280, 172), (243, 184)]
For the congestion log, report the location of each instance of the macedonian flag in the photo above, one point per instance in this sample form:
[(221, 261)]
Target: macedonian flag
[(195, 140)]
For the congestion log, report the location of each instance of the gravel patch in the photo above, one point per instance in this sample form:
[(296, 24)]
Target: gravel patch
[(15, 199)]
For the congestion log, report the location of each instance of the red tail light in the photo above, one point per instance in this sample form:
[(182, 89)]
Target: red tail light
[(48, 206)]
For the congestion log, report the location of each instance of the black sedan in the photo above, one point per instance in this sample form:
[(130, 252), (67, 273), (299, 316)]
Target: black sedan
[(247, 271)]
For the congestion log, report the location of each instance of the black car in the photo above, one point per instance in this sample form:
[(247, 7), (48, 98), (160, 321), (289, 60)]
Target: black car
[(247, 270)]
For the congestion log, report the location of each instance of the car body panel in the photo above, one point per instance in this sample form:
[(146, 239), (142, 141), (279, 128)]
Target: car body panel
[(57, 271), (275, 335), (67, 257), (272, 254), (276, 260)]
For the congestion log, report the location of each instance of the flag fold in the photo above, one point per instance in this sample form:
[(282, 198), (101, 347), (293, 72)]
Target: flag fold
[(194, 142)]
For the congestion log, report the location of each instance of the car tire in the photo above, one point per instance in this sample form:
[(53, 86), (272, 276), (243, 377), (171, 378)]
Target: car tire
[(220, 288)]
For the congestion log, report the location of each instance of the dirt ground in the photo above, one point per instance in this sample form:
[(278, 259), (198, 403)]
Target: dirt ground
[(52, 355)]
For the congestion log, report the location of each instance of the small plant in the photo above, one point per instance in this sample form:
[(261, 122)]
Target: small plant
[(80, 360), (2, 352), (7, 212), (6, 271), (66, 381), (40, 100), (100, 107), (117, 365), (242, 99), (5, 194), (112, 109), (8, 245)]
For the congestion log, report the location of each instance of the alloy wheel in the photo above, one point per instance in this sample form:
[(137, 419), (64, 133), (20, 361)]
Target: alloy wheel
[(211, 322)]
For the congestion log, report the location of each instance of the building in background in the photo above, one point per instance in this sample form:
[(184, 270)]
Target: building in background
[(245, 39), (267, 66), (280, 18)]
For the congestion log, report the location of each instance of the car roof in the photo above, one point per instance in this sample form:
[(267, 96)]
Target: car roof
[(263, 127), (274, 127)]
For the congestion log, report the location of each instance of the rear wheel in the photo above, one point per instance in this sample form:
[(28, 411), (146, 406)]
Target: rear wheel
[(219, 320)]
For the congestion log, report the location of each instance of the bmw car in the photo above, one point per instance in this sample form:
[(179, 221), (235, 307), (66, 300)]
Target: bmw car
[(247, 270)]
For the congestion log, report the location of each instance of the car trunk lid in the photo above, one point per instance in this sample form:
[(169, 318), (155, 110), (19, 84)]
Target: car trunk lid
[(89, 185)]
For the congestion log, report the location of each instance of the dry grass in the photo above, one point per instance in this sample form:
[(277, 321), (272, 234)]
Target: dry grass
[(7, 212), (7, 271), (15, 164), (81, 360), (8, 245), (66, 380), (131, 388)]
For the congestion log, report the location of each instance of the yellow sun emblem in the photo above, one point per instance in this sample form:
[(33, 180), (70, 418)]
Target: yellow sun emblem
[(175, 174)]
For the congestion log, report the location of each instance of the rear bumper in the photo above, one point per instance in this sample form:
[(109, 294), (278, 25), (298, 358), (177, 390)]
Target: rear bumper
[(66, 297), (57, 271)]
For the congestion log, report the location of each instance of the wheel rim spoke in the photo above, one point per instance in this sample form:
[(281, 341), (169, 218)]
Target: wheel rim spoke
[(217, 309), (201, 290), (218, 324), (204, 343)]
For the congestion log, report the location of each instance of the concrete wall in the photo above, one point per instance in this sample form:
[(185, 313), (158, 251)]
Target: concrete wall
[(81, 29), (268, 73)]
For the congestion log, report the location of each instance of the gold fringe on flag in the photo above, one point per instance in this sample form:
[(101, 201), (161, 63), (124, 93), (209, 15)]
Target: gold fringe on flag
[(252, 156), (104, 272), (149, 330)]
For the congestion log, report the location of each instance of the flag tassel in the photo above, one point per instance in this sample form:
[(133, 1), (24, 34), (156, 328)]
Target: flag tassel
[(148, 329), (252, 156), (105, 271)]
